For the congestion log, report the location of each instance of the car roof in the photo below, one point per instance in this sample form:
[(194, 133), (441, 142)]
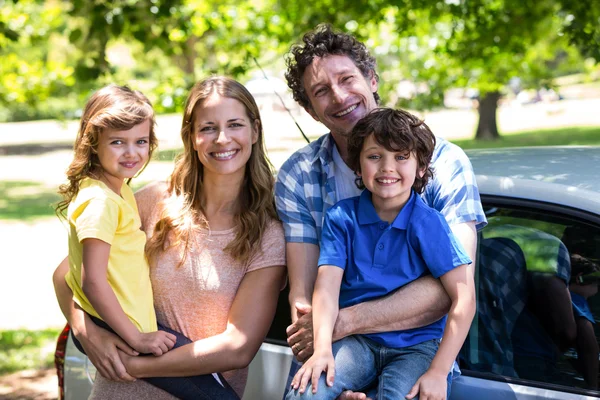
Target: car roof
[(566, 175)]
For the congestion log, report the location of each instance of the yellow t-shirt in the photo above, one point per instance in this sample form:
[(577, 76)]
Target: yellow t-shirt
[(98, 212)]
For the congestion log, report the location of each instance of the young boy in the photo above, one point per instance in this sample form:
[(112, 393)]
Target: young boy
[(372, 245)]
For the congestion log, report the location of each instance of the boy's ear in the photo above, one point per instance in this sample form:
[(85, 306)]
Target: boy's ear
[(421, 172)]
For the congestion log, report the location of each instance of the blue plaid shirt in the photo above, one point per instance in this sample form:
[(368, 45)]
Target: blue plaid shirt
[(305, 189)]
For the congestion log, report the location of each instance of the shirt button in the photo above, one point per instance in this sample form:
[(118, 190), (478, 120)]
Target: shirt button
[(380, 246), (382, 225)]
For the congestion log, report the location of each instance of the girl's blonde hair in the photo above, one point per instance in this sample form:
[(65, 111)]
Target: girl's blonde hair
[(183, 212), (112, 107)]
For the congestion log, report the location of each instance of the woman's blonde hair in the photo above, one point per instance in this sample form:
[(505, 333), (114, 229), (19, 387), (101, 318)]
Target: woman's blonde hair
[(112, 107), (183, 212)]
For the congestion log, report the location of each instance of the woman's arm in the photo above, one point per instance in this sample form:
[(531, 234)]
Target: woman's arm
[(100, 345), (249, 320)]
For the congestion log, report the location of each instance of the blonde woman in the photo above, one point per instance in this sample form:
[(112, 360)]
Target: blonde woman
[(216, 251)]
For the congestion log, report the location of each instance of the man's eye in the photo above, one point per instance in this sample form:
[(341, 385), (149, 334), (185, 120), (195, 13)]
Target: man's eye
[(320, 92)]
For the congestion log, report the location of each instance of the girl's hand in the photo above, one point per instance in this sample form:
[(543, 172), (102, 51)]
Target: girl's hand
[(102, 348), (157, 343), (312, 369), (432, 385)]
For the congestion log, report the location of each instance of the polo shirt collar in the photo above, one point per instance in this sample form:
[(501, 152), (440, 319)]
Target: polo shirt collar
[(368, 215)]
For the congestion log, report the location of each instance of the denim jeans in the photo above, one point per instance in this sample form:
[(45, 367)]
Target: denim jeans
[(199, 387), (360, 362)]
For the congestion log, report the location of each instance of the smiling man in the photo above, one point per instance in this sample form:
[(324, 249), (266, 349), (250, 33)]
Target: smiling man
[(332, 75)]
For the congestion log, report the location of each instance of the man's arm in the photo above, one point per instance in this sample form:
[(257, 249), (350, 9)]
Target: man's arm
[(417, 304), (302, 261)]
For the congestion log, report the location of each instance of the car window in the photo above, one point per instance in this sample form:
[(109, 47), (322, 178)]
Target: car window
[(537, 304)]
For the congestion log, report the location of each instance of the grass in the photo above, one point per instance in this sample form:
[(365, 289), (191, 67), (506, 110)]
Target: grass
[(26, 201), (23, 349), (544, 137)]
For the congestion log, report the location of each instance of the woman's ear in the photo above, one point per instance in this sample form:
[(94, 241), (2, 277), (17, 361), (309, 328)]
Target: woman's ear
[(255, 130)]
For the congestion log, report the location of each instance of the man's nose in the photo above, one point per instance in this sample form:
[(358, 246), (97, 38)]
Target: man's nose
[(339, 94)]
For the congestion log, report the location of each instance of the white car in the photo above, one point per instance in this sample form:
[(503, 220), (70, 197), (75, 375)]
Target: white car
[(528, 339)]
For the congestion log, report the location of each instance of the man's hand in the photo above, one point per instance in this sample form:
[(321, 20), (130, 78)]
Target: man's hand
[(300, 333), (102, 348)]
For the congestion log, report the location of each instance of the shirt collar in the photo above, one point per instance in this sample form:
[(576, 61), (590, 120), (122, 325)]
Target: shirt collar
[(368, 215), (325, 152)]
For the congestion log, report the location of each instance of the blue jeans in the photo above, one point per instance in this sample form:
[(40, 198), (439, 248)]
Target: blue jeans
[(360, 362), (199, 387)]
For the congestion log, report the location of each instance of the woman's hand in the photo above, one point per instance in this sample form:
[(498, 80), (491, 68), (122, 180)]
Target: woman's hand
[(102, 348)]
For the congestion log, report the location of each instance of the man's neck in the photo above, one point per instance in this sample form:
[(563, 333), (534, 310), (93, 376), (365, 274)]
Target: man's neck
[(341, 142)]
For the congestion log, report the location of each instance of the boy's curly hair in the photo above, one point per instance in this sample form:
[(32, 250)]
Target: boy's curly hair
[(396, 130), (321, 42)]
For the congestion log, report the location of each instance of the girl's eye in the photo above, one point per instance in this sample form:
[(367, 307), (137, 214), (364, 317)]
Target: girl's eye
[(116, 142)]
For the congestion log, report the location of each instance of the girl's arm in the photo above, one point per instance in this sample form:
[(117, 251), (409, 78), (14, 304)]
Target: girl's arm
[(100, 345), (249, 320), (94, 284), (460, 286), (325, 311)]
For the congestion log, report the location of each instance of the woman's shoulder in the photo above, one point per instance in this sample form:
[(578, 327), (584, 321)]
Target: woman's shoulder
[(152, 192)]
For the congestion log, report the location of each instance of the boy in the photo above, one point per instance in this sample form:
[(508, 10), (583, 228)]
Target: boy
[(372, 245)]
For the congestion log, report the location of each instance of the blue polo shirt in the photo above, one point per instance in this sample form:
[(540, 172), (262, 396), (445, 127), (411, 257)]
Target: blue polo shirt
[(378, 257)]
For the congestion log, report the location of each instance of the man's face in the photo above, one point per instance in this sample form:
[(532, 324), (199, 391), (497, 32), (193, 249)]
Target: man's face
[(339, 93)]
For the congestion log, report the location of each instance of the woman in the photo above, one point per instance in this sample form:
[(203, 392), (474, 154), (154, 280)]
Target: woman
[(215, 248)]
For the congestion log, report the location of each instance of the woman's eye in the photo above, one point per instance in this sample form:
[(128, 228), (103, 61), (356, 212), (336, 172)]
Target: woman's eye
[(142, 141), (207, 128), (235, 125)]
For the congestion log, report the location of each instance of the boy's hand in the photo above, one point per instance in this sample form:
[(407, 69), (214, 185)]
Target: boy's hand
[(157, 343), (432, 385), (312, 370)]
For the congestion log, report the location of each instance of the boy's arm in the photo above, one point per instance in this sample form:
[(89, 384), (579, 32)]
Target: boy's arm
[(325, 310), (94, 284), (100, 345), (459, 284)]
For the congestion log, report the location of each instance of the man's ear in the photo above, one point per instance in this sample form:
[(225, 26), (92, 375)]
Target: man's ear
[(373, 82)]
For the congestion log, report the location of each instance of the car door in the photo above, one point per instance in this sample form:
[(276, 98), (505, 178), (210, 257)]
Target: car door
[(535, 334)]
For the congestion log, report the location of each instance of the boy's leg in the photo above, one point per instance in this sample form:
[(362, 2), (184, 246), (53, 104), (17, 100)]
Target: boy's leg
[(403, 367), (354, 370), (203, 387)]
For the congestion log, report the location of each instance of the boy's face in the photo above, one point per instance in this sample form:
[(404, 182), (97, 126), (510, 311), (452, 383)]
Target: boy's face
[(338, 92), (389, 175)]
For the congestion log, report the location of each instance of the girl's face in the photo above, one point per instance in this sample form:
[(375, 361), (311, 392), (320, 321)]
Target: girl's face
[(389, 175), (223, 136), (123, 153)]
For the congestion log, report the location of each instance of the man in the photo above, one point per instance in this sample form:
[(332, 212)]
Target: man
[(333, 77)]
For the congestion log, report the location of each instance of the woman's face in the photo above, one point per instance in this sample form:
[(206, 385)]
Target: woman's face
[(223, 136)]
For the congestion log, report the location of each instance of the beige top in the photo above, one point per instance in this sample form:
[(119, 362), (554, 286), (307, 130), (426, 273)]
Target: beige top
[(195, 298)]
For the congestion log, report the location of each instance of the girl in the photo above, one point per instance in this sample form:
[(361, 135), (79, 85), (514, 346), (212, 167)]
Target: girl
[(108, 271), (215, 246)]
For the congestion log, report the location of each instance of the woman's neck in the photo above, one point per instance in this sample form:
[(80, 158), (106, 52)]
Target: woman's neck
[(220, 201)]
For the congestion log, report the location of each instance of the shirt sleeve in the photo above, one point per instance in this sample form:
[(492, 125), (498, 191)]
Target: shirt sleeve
[(272, 249), (436, 243), (298, 224), (147, 199), (453, 190), (97, 218), (333, 249)]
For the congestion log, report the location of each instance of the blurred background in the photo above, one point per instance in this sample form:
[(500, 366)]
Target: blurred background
[(482, 73)]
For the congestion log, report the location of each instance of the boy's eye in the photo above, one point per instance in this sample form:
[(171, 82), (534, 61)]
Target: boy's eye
[(373, 157), (401, 158)]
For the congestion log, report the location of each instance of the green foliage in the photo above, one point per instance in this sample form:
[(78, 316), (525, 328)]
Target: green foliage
[(23, 349)]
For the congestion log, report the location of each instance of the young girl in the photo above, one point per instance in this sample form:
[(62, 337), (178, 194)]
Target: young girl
[(374, 244), (108, 270)]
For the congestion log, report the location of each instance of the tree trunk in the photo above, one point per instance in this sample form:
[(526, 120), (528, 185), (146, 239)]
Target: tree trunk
[(487, 129)]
